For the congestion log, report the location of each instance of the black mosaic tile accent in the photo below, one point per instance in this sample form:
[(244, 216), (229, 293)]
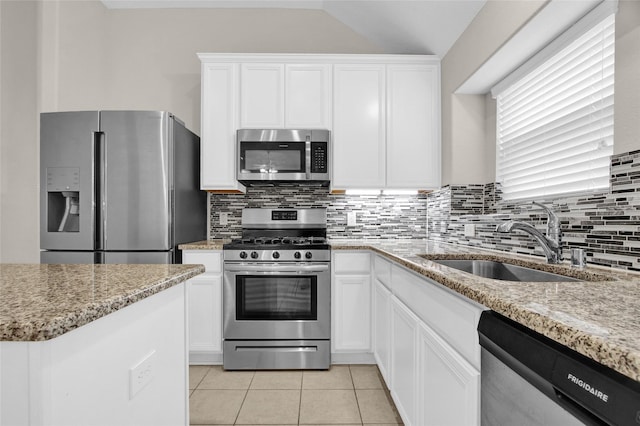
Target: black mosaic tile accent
[(606, 225), (378, 217), (625, 172), (467, 199)]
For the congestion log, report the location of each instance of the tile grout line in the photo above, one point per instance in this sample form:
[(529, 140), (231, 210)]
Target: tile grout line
[(246, 393), (205, 375), (300, 400), (356, 395)]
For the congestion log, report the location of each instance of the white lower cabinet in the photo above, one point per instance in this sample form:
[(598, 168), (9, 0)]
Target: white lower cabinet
[(205, 315), (352, 331), (426, 347), (448, 386), (404, 360), (351, 304), (382, 328), (204, 299)]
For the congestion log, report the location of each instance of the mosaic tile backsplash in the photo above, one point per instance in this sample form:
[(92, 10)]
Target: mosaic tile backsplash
[(378, 217), (606, 225)]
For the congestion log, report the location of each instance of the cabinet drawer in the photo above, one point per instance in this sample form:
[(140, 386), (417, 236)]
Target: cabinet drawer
[(352, 263), (382, 270), (211, 259), (451, 316)]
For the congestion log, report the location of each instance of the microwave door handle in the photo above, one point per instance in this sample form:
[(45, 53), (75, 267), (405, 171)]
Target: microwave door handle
[(307, 149)]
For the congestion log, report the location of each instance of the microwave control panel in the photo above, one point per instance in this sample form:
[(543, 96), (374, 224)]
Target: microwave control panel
[(319, 157)]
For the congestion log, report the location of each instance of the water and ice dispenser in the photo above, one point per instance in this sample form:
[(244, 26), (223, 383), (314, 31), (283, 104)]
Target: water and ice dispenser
[(63, 199)]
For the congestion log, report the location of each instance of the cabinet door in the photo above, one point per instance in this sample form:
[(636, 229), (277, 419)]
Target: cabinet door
[(382, 329), (205, 313), (413, 126), (262, 96), (352, 326), (449, 387), (404, 368), (358, 126), (219, 125), (308, 96)]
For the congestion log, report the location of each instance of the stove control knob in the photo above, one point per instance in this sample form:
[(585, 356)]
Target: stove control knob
[(297, 255), (254, 254), (308, 255), (243, 255), (275, 255)]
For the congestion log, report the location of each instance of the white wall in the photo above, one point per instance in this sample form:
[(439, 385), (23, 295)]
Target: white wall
[(465, 152), (19, 236), (627, 83), (146, 58), (74, 55)]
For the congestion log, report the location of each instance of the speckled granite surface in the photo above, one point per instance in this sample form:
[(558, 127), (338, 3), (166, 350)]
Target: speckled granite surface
[(41, 302), (204, 245), (599, 318)]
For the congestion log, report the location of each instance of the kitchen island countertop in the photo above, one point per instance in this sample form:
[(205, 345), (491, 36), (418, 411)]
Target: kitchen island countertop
[(40, 302)]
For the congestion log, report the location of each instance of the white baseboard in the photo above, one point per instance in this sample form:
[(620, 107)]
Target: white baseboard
[(215, 358), (353, 358), (205, 358)]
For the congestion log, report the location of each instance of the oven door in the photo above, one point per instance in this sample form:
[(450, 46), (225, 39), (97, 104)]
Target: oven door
[(277, 301)]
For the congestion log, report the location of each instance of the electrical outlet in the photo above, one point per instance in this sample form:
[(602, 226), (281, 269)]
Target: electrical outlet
[(469, 230), (224, 218), (141, 374), (352, 219)]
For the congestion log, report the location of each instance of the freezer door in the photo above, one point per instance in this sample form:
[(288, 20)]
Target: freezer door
[(136, 192), (67, 180)]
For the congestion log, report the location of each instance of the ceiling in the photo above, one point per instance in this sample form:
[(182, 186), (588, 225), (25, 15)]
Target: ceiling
[(398, 26)]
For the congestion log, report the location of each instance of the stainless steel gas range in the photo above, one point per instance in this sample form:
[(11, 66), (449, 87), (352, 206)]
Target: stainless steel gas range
[(277, 291)]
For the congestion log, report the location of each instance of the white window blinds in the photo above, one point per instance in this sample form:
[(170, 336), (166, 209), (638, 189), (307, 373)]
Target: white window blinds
[(555, 124)]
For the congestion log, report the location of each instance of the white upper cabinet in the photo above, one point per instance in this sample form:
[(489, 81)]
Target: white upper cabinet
[(308, 96), (413, 131), (387, 125), (285, 96), (358, 127), (220, 87), (262, 96), (383, 112)]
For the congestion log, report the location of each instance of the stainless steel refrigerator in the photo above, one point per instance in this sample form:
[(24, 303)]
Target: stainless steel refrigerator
[(118, 187)]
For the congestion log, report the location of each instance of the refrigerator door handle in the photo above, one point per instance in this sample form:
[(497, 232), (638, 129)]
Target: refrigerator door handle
[(100, 190)]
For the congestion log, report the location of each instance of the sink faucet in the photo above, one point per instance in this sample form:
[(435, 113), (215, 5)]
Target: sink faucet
[(551, 243)]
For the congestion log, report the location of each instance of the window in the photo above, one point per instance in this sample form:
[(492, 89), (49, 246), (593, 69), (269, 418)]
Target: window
[(555, 122)]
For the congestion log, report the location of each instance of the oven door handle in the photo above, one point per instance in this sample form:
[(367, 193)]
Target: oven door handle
[(275, 267)]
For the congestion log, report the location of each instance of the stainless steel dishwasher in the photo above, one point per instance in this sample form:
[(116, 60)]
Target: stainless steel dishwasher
[(528, 379)]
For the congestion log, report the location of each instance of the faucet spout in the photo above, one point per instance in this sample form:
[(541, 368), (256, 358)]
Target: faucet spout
[(550, 243)]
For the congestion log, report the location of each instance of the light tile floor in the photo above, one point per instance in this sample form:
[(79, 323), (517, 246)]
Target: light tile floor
[(343, 395)]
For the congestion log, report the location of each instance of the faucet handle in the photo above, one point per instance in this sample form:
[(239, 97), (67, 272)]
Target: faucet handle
[(553, 218), (545, 208), (553, 223)]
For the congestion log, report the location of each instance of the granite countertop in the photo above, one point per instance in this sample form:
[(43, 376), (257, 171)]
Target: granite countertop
[(598, 317), (40, 302), (204, 245)]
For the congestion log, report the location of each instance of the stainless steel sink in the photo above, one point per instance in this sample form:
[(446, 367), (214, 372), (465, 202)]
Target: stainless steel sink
[(502, 271)]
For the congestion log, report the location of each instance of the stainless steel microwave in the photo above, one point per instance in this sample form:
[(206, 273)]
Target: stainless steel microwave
[(283, 156)]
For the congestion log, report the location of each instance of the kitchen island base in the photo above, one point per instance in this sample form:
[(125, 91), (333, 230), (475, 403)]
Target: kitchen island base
[(126, 368)]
